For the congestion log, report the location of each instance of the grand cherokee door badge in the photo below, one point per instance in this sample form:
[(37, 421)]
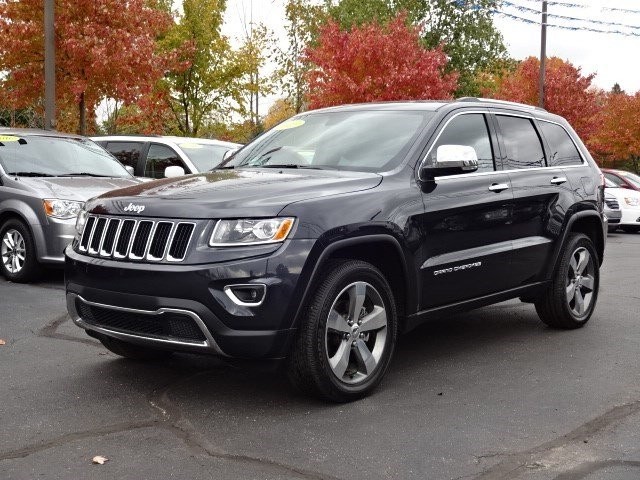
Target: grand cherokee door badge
[(457, 268)]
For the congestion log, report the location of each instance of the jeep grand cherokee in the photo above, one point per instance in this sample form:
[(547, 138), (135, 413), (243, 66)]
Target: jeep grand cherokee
[(328, 236)]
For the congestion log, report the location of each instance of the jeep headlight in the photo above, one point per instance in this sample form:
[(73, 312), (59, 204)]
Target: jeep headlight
[(63, 209), (632, 201), (259, 231), (81, 220)]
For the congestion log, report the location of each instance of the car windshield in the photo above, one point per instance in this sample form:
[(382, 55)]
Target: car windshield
[(632, 178), (204, 156), (371, 141), (44, 156)]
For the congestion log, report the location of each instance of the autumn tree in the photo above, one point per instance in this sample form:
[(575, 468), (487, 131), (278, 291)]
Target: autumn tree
[(278, 112), (104, 48), (376, 63), (568, 92), (618, 135)]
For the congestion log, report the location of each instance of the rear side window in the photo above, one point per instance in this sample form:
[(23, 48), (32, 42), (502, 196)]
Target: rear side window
[(159, 158), (522, 143), (469, 130), (127, 152), (563, 150)]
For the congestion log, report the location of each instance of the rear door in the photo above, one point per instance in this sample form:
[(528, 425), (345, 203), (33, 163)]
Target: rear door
[(129, 153), (466, 225), (541, 196)]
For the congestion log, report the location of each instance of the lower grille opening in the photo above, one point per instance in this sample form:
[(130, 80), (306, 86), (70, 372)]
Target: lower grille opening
[(166, 326)]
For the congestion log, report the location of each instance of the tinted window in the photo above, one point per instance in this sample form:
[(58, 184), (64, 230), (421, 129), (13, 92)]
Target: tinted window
[(127, 152), (563, 150), (158, 159), (614, 178), (363, 140), (469, 130), (522, 143), (631, 178), (36, 155)]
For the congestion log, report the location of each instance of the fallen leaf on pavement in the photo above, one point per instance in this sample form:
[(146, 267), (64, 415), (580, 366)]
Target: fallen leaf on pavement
[(100, 459), (2, 342)]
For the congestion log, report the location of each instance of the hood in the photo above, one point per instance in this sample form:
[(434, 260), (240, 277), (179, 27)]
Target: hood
[(230, 193), (74, 188)]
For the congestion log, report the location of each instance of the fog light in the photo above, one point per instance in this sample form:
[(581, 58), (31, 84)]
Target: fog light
[(246, 295)]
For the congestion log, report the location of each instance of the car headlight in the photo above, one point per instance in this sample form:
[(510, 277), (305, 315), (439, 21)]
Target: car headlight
[(81, 220), (632, 201), (62, 208), (259, 231)]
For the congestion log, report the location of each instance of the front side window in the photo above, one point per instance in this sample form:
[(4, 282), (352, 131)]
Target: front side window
[(468, 130), (356, 140), (159, 158), (563, 150), (617, 181), (45, 156), (127, 152), (522, 143)]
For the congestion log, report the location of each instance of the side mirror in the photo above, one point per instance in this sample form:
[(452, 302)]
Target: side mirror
[(130, 169), (451, 160), (173, 171)]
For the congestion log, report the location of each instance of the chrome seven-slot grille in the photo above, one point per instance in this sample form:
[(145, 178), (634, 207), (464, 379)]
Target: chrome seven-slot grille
[(134, 239)]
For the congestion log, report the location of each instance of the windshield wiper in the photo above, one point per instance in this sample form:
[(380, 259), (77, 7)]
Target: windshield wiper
[(84, 174), (30, 174), (285, 165)]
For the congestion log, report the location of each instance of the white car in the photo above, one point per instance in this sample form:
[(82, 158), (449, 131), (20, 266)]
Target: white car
[(629, 201)]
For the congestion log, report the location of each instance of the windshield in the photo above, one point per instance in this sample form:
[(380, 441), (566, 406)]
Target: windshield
[(204, 156), (43, 156), (632, 178), (370, 141)]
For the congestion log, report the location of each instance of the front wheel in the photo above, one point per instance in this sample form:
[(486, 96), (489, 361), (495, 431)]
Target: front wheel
[(347, 334), (18, 260), (571, 298)]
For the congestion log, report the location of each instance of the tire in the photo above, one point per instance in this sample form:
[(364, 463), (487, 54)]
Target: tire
[(333, 357), (133, 351), (18, 259), (630, 229), (560, 305)]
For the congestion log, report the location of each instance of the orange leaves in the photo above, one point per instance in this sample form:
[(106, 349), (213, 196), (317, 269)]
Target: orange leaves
[(375, 63), (618, 137)]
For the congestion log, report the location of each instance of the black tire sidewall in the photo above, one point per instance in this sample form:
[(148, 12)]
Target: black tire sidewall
[(31, 267), (354, 272)]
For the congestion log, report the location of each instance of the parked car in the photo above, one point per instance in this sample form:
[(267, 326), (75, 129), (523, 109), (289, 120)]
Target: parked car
[(612, 211), (629, 202), (622, 178), (339, 229), (45, 178), (161, 157)]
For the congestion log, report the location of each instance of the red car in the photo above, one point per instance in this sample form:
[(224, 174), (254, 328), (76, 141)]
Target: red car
[(622, 178)]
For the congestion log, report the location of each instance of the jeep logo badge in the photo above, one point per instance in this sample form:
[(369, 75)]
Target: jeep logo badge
[(134, 208)]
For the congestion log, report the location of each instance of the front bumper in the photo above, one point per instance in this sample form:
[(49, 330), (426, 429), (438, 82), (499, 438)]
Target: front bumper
[(155, 292), (630, 216), (52, 238)]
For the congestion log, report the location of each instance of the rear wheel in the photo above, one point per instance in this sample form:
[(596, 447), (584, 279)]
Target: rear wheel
[(133, 351), (347, 334), (571, 298), (18, 260)]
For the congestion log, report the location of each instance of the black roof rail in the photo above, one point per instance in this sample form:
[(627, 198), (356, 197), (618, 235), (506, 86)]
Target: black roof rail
[(499, 102)]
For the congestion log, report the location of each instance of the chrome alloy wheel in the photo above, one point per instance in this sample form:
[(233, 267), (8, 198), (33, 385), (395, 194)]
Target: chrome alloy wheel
[(13, 251), (580, 282), (356, 332)]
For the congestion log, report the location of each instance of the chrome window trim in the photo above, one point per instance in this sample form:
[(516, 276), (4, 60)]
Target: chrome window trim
[(514, 170), (237, 301), (444, 127), (186, 250), (584, 161), (209, 343)]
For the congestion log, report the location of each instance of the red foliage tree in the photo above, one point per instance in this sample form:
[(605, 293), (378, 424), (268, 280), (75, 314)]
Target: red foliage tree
[(375, 63), (104, 48), (568, 93)]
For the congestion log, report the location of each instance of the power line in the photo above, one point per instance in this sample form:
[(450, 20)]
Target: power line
[(582, 5)]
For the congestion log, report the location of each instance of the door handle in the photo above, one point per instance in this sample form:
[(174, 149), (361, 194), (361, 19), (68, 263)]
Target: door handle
[(558, 180), (498, 187)]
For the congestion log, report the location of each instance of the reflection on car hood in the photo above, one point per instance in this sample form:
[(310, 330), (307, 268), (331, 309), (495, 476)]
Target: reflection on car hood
[(228, 193), (74, 188)]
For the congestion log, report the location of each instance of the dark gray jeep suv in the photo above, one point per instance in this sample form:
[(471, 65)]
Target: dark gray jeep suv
[(325, 238), (45, 178)]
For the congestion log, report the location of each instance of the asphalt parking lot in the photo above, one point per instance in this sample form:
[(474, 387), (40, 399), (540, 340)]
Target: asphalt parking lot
[(489, 394)]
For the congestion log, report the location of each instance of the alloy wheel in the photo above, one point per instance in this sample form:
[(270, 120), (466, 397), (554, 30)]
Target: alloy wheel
[(580, 282), (13, 251), (356, 332)]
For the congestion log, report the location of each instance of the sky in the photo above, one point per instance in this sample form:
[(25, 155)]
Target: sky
[(612, 57)]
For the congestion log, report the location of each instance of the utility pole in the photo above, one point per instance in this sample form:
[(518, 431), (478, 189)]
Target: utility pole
[(49, 65), (543, 53)]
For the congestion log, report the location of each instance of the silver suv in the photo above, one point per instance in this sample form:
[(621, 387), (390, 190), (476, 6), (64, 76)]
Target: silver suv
[(45, 178), (161, 157)]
